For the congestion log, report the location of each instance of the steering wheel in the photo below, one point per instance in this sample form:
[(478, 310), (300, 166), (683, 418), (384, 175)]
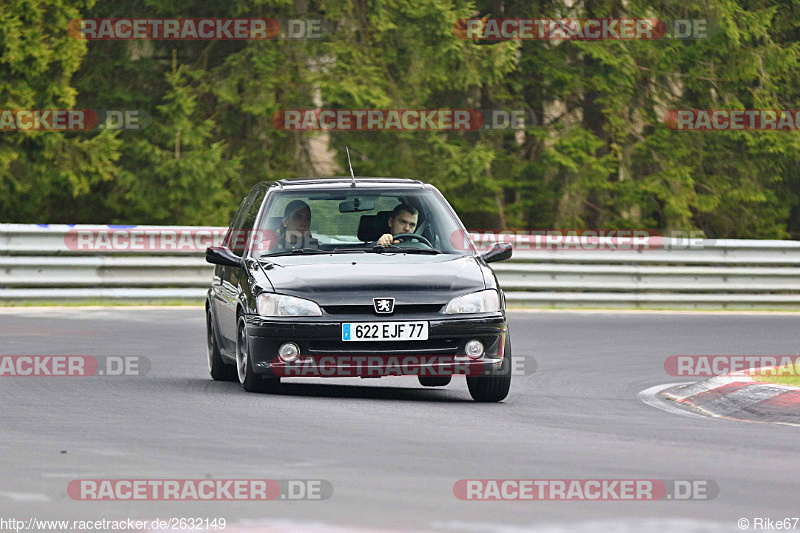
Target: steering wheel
[(414, 237)]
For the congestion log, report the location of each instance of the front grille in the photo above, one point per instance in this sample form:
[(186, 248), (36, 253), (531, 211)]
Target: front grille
[(446, 346), (407, 309)]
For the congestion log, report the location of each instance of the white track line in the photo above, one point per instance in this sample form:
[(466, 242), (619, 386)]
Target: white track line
[(651, 398), (25, 497)]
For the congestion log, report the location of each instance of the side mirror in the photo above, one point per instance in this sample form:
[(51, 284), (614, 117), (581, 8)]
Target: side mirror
[(220, 255), (500, 251)]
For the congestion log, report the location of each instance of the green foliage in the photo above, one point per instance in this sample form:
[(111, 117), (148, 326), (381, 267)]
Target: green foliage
[(42, 171), (599, 154), (182, 171)]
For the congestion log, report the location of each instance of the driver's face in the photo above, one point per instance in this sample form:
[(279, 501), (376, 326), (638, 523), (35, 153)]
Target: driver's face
[(405, 222)]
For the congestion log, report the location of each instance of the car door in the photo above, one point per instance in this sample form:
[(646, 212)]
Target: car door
[(225, 292), (235, 279)]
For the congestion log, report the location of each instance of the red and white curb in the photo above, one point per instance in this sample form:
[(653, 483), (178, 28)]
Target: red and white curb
[(737, 396)]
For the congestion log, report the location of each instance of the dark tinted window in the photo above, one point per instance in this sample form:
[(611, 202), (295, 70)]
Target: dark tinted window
[(236, 239), (252, 211), (236, 221)]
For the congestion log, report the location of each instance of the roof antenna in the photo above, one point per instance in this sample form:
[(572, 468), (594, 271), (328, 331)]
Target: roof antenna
[(351, 166)]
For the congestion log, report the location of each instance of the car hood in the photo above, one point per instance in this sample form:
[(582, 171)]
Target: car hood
[(353, 279)]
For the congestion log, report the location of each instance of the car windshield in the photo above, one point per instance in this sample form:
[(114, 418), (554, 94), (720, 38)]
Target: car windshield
[(354, 220)]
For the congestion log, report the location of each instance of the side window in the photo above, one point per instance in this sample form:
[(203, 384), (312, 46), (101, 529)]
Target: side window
[(248, 222), (234, 236), (252, 211)]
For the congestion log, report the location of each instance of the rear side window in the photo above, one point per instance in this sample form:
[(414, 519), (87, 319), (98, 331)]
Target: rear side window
[(240, 229), (235, 222), (252, 211)]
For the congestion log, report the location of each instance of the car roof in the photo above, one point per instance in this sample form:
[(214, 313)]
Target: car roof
[(337, 182)]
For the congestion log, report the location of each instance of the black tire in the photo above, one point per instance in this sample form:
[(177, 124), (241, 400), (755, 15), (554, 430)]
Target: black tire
[(434, 381), (493, 387), (250, 381), (219, 369)]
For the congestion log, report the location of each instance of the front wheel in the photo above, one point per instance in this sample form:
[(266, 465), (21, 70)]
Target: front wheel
[(244, 364), (495, 386)]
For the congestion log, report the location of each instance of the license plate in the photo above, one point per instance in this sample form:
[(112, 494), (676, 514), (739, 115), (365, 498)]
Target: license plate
[(385, 331)]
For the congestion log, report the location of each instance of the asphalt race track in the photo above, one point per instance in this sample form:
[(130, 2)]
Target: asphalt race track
[(391, 449)]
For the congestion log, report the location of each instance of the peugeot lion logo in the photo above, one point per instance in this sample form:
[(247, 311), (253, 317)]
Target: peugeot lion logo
[(383, 305)]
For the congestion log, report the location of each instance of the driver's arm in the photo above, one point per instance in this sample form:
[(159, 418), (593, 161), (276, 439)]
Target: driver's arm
[(386, 240)]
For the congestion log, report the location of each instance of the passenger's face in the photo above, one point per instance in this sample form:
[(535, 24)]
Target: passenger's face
[(298, 221), (405, 222)]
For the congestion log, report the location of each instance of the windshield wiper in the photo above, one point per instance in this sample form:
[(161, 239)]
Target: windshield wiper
[(350, 250), (377, 249), (432, 251), (297, 251), (398, 249)]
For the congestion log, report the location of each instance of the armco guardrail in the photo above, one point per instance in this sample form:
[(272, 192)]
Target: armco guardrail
[(43, 263), (49, 262)]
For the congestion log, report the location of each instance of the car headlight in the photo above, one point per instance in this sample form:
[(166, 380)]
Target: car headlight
[(477, 302), (281, 305)]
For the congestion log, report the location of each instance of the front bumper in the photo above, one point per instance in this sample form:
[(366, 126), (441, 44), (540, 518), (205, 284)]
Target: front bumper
[(324, 354)]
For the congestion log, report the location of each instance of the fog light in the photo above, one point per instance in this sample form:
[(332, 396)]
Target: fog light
[(474, 348), (288, 352)]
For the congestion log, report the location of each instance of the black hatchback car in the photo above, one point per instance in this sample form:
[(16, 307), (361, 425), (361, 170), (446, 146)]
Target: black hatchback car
[(362, 277)]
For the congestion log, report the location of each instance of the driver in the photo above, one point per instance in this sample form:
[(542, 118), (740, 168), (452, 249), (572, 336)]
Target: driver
[(402, 220)]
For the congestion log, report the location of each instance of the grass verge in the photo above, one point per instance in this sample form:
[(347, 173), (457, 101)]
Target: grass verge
[(785, 375)]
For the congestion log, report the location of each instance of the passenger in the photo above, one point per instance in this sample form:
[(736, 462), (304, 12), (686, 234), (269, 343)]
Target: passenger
[(294, 231)]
